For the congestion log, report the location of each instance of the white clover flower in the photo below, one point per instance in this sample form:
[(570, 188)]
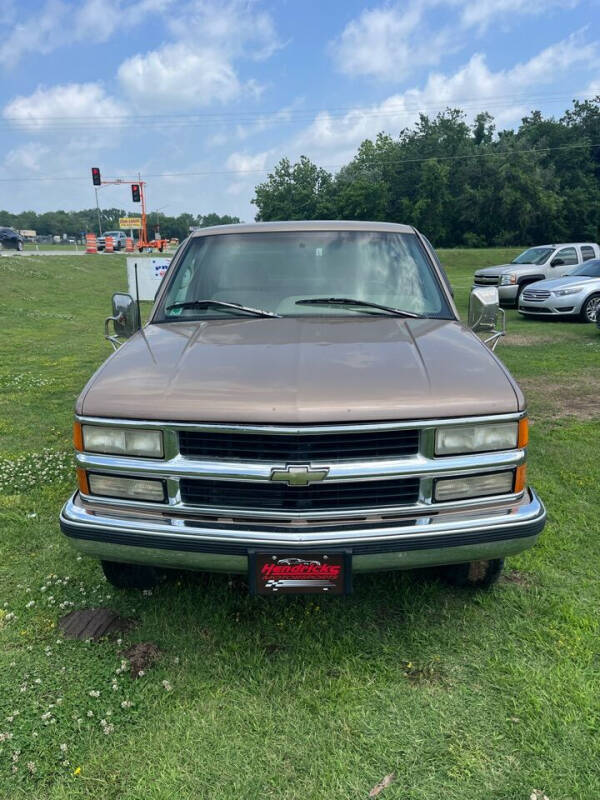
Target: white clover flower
[(64, 748), (90, 713), (126, 704), (30, 604), (167, 686), (94, 693)]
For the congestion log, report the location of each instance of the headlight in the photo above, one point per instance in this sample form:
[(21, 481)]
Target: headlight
[(122, 441), (508, 278), (474, 486), (563, 292), (128, 488), (476, 438)]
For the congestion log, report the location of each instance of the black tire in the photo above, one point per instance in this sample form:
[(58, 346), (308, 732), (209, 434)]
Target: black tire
[(590, 308), (473, 574), (129, 576)]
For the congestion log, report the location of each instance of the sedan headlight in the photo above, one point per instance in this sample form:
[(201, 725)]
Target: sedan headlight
[(126, 488), (564, 292), (508, 278), (474, 486), (456, 439), (122, 441)]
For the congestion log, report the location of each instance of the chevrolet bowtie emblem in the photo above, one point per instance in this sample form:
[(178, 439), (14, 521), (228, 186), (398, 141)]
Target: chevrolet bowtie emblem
[(299, 476)]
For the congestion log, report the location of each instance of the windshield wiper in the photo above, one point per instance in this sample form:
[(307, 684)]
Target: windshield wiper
[(256, 312), (349, 301)]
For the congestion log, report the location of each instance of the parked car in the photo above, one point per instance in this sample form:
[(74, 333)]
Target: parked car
[(118, 238), (10, 239), (535, 264), (302, 390), (577, 293)]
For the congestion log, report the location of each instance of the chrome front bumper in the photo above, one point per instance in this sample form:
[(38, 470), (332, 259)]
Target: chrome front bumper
[(185, 543)]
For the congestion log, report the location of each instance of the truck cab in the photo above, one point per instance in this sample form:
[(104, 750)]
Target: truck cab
[(537, 263)]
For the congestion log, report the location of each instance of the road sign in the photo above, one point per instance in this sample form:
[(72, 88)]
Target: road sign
[(129, 223)]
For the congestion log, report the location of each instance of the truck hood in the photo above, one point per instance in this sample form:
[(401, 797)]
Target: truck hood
[(567, 280), (301, 370), (493, 272)]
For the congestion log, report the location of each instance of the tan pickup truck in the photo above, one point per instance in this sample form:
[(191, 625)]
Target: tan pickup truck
[(304, 404)]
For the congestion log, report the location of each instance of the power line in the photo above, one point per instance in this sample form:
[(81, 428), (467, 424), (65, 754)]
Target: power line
[(282, 116), (395, 162)]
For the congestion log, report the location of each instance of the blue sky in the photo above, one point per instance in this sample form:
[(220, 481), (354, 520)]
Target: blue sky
[(204, 96)]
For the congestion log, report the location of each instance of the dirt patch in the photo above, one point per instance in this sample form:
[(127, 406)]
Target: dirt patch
[(517, 577), (93, 623), (522, 340), (576, 397), (141, 657), (423, 674)]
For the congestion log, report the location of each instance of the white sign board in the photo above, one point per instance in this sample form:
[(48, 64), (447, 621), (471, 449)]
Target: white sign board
[(150, 272)]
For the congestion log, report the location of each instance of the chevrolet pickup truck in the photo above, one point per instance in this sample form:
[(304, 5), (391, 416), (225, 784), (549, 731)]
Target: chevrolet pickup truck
[(303, 405), (546, 261)]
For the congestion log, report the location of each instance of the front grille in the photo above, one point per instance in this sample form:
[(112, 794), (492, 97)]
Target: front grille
[(327, 496), (294, 448), (536, 295), (535, 309), (484, 280)]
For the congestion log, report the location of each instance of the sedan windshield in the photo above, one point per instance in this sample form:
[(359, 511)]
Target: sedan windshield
[(590, 269), (281, 271), (535, 255)]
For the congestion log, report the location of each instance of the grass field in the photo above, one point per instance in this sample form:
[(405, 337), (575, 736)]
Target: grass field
[(485, 696)]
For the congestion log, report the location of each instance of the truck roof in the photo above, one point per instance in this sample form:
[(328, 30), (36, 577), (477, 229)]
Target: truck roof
[(305, 225)]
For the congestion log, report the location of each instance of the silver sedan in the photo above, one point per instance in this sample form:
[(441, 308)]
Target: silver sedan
[(575, 294)]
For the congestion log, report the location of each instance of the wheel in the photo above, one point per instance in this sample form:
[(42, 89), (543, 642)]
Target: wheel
[(590, 308), (130, 576), (473, 574)]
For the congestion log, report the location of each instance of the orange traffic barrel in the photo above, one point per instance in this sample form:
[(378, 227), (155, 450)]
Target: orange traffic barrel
[(109, 245), (90, 243), (129, 245)]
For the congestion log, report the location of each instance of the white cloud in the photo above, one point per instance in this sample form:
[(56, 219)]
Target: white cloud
[(28, 157), (481, 13), (198, 68), (388, 43), (473, 87), (50, 107), (250, 168)]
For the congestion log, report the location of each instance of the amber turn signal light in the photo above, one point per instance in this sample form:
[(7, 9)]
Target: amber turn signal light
[(77, 436), (523, 436), (520, 478), (82, 481)]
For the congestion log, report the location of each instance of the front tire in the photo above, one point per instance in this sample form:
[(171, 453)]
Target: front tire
[(590, 308), (473, 574), (129, 576)]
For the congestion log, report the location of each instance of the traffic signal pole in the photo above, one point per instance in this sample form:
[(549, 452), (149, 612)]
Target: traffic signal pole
[(137, 195)]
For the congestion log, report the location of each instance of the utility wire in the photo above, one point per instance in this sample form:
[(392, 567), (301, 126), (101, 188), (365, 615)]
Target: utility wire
[(394, 162)]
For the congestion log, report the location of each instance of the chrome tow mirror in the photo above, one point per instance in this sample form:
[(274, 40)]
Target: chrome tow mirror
[(125, 319), (485, 314)]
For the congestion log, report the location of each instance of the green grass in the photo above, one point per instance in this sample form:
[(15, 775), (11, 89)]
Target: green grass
[(464, 696)]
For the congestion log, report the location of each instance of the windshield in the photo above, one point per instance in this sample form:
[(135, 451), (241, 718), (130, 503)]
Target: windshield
[(535, 255), (274, 270), (591, 269), (112, 233)]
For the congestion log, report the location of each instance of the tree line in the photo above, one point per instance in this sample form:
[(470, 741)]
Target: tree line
[(74, 223), (461, 184)]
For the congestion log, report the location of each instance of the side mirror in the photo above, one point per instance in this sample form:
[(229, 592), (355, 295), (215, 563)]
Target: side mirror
[(484, 310), (557, 262), (125, 318)]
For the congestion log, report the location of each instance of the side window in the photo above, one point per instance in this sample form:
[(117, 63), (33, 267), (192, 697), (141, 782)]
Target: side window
[(568, 255), (587, 252), (439, 264)]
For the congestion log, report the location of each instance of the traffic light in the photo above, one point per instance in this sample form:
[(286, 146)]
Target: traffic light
[(96, 179), (135, 192)]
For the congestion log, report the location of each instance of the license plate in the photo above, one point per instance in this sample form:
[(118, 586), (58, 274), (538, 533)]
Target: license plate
[(301, 573)]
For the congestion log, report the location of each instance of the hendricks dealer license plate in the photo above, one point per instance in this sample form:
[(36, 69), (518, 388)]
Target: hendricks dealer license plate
[(301, 573)]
